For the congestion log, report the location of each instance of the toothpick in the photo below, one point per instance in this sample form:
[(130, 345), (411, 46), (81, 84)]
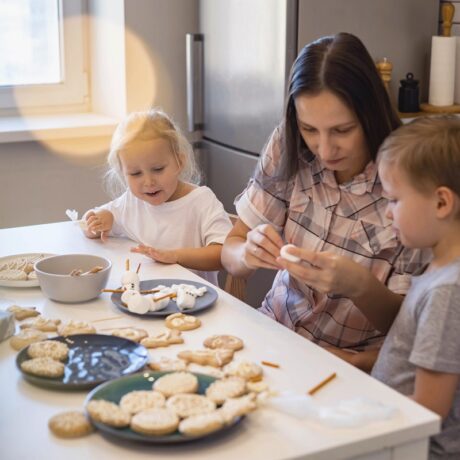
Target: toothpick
[(127, 265), (268, 363), (138, 268)]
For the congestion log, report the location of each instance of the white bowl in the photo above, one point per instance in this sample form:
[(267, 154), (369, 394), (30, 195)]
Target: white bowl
[(53, 274)]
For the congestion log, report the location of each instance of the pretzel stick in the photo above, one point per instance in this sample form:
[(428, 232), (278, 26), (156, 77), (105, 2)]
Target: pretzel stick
[(95, 269), (268, 363), (120, 291), (171, 296), (127, 265), (106, 319), (322, 383), (138, 268)]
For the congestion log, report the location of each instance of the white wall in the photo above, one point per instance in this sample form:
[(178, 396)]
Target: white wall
[(37, 184)]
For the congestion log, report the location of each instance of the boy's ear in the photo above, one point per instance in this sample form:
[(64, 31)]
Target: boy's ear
[(446, 202)]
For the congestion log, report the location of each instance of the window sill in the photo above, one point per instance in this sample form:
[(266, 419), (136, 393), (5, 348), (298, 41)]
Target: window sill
[(62, 126)]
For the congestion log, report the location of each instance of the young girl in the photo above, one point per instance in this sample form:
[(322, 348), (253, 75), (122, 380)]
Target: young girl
[(173, 220)]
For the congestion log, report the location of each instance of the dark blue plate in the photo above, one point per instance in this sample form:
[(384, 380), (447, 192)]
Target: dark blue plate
[(93, 359), (205, 301), (114, 390)]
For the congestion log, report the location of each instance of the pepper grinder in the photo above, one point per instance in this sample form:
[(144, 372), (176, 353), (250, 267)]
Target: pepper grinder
[(385, 68), (408, 98)]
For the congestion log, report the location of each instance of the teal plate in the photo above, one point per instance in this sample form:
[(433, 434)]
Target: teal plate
[(207, 300), (114, 390), (93, 359)]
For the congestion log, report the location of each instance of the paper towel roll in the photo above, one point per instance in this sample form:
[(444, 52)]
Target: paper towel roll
[(457, 72), (442, 73)]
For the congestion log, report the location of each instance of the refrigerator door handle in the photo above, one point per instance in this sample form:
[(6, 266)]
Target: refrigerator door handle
[(194, 66)]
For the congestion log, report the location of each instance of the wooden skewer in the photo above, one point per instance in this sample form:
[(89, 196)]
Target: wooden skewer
[(268, 363), (322, 383), (138, 268), (127, 265), (106, 319)]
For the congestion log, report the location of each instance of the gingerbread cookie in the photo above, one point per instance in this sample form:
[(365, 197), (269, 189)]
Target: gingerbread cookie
[(176, 382), (229, 342), (108, 412), (236, 407), (182, 322), (168, 364), (26, 337), (21, 313), (131, 333), (216, 358), (155, 422), (163, 339), (202, 424), (44, 367), (76, 327), (244, 369), (137, 401), (42, 324), (72, 424), (186, 405), (49, 349), (206, 370), (229, 387)]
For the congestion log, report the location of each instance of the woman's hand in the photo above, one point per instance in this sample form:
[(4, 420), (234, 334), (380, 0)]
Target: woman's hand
[(326, 272), (262, 248), (165, 256), (99, 224)]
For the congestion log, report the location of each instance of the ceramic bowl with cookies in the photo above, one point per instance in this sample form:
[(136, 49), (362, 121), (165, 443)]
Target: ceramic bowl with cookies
[(73, 278)]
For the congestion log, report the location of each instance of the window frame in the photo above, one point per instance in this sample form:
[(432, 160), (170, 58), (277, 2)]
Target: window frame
[(72, 94)]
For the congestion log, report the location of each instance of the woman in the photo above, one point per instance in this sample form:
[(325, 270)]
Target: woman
[(316, 186)]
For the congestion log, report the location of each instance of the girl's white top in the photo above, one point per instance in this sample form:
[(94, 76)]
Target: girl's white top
[(193, 221)]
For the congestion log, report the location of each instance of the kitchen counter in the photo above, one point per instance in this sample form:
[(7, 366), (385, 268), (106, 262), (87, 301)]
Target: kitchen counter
[(264, 434)]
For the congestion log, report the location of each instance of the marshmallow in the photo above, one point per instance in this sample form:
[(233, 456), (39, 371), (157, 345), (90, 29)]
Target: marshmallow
[(285, 254), (138, 304), (185, 299), (130, 280)]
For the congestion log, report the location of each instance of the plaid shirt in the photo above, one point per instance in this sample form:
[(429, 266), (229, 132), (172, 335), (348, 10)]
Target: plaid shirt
[(314, 212)]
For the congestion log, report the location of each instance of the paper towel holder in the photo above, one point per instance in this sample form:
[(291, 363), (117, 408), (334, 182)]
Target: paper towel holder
[(447, 15)]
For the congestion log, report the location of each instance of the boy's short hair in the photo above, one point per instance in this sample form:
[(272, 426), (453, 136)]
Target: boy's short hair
[(428, 151)]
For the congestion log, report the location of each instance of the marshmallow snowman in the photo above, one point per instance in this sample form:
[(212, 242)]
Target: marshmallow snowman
[(186, 298)]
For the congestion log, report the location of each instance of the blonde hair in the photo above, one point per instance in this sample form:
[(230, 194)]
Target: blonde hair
[(428, 152), (143, 126)]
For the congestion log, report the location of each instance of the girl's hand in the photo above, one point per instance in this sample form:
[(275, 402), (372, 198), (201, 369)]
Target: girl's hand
[(262, 248), (326, 272), (165, 256), (99, 224)]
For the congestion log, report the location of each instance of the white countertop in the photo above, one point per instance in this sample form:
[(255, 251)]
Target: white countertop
[(264, 434)]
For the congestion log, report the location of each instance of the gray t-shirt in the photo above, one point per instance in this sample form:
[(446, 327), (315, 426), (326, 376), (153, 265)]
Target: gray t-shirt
[(426, 333)]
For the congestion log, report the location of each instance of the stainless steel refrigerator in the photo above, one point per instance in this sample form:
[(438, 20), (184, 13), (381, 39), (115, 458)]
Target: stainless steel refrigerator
[(238, 68)]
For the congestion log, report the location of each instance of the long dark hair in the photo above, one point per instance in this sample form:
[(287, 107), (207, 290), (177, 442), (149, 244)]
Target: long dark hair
[(340, 64)]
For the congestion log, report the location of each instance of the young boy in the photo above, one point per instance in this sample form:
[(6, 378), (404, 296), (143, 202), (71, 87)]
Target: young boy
[(419, 165)]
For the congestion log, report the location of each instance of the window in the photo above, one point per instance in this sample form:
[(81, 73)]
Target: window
[(43, 63)]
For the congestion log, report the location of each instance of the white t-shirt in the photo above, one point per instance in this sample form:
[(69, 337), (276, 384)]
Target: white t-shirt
[(193, 221)]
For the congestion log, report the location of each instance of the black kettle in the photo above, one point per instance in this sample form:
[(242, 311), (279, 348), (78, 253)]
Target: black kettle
[(408, 100)]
